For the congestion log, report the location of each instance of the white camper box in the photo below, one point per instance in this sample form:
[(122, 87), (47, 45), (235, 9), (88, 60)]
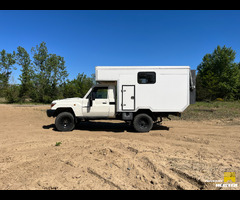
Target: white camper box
[(157, 88)]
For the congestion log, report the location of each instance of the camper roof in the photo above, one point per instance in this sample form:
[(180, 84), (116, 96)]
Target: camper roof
[(112, 73), (142, 67)]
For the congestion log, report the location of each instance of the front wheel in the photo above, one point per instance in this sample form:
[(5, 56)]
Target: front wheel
[(65, 122), (143, 123)]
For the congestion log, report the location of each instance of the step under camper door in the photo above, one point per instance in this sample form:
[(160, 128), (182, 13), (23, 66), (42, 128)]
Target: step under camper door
[(128, 97)]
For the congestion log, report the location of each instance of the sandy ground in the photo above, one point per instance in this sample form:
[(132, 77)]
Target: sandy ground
[(110, 155)]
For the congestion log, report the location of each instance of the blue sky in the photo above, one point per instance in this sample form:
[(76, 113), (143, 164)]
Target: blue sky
[(89, 38)]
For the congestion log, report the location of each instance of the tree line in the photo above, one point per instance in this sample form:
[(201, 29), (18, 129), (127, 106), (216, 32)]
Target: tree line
[(45, 76)]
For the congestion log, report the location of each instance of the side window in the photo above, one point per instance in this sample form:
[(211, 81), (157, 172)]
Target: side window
[(100, 92), (146, 77)]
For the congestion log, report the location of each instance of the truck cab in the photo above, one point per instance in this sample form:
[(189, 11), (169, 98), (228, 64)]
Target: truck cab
[(99, 102)]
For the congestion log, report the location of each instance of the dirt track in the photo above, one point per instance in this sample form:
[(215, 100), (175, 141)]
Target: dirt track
[(109, 155)]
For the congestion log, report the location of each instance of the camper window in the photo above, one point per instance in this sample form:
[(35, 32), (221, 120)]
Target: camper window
[(146, 77)]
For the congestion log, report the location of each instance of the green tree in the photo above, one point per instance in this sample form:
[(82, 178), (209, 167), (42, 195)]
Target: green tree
[(55, 73), (39, 60), (238, 85), (218, 74), (26, 78), (50, 72), (7, 61), (78, 87)]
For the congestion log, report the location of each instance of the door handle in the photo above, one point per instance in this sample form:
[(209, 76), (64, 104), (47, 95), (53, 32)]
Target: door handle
[(104, 102)]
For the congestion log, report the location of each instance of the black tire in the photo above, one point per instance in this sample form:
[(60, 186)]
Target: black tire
[(65, 122), (142, 123)]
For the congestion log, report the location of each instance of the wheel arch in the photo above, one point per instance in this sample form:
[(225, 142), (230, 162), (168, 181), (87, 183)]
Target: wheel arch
[(145, 111), (64, 109)]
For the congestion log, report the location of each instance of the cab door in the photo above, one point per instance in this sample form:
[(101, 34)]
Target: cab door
[(100, 103)]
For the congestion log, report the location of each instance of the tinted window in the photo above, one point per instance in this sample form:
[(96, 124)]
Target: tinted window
[(146, 77), (100, 92)]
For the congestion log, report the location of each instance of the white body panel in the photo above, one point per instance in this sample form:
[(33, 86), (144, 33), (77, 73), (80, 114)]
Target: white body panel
[(99, 108), (169, 93), (74, 103)]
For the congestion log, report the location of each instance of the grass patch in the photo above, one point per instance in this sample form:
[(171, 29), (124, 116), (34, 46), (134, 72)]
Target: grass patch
[(212, 110), (58, 144)]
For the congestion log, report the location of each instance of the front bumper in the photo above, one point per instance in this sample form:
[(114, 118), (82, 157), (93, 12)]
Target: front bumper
[(50, 113)]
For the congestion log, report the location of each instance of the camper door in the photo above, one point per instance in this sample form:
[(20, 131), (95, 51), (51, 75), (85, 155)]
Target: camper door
[(128, 97)]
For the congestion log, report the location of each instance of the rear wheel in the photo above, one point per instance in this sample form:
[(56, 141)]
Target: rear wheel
[(142, 123), (65, 122)]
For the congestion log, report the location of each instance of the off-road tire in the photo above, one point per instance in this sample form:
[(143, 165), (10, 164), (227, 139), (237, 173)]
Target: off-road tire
[(142, 123), (65, 122)]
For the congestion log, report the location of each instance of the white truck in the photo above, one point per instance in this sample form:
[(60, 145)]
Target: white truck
[(139, 95)]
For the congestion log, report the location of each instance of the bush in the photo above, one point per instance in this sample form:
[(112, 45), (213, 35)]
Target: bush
[(12, 94)]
